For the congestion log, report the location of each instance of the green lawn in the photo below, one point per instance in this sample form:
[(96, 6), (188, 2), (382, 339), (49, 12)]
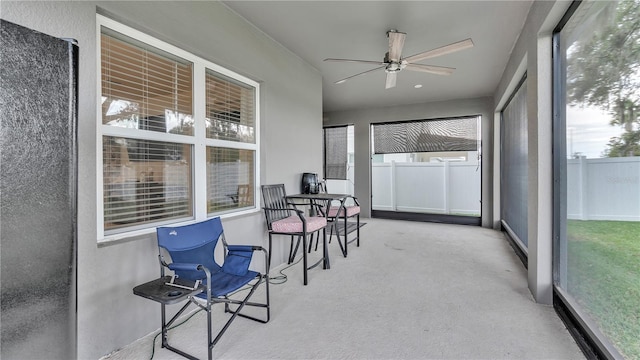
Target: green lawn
[(604, 276)]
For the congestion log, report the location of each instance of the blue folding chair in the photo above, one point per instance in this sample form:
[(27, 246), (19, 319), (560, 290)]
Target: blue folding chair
[(191, 251)]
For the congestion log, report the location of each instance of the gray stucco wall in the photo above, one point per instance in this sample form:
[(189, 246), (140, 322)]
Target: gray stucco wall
[(533, 53), (109, 315), (362, 120)]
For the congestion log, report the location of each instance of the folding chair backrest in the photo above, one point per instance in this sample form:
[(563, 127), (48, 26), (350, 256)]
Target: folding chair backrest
[(273, 197), (192, 244)]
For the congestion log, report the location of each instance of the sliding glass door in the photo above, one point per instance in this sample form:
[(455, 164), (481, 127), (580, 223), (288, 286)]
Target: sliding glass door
[(597, 172)]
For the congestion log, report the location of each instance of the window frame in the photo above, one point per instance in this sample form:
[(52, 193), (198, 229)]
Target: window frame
[(198, 141)]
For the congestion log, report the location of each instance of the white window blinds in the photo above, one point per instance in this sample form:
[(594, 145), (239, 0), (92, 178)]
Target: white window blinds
[(143, 87), (335, 153), (145, 181), (513, 163), (456, 134), (230, 108)]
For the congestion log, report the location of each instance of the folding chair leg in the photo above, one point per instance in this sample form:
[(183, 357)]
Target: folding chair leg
[(166, 325), (209, 333)]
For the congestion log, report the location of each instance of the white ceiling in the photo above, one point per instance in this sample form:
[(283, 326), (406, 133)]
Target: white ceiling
[(315, 30)]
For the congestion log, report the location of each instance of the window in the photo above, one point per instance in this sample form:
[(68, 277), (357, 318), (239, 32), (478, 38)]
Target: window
[(597, 172), (172, 125), (338, 155), (427, 168), (335, 152), (514, 181)]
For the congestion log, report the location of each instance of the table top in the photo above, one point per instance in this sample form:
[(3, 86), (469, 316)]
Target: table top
[(320, 196), (157, 290)]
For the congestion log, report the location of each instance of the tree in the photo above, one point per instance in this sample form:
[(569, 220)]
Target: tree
[(604, 71), (628, 144)]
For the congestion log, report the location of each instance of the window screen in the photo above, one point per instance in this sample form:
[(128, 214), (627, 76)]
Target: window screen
[(513, 160), (335, 153), (459, 134)]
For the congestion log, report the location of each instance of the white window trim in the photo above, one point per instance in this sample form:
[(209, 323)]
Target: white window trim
[(199, 140)]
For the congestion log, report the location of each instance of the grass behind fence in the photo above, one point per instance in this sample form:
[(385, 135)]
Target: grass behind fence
[(604, 276)]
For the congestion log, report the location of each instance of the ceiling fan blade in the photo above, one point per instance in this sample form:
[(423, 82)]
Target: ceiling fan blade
[(356, 61), (438, 70), (352, 76), (391, 80), (396, 43), (447, 49)]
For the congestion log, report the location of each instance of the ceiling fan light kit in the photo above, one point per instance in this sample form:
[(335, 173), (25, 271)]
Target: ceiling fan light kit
[(393, 61)]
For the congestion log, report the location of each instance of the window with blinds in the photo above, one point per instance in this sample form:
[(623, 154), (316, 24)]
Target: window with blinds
[(155, 152), (230, 181), (145, 181), (230, 109), (514, 180), (143, 87), (439, 135), (335, 153)]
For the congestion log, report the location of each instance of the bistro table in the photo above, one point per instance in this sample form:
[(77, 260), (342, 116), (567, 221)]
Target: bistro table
[(317, 202)]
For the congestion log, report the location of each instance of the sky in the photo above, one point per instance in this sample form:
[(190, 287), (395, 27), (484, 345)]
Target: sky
[(588, 131)]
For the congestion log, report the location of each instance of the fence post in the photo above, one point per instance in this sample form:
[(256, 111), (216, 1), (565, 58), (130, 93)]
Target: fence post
[(447, 206), (393, 185)]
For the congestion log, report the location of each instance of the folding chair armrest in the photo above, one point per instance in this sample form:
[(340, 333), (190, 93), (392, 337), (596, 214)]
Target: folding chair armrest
[(187, 267), (251, 248), (244, 247), (183, 266), (240, 247), (191, 267)]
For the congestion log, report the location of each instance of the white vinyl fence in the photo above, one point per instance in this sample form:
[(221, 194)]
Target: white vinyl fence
[(603, 189), (597, 189), (449, 187)]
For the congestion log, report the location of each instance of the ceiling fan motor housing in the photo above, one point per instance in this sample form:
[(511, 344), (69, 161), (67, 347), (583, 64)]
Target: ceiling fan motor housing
[(393, 66)]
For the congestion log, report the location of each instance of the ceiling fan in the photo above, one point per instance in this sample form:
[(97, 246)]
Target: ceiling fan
[(393, 61)]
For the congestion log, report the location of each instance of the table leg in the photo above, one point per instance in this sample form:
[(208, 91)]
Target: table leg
[(325, 250), (304, 258)]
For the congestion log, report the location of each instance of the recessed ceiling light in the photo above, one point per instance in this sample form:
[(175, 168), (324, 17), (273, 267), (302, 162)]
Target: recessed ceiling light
[(418, 86)]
